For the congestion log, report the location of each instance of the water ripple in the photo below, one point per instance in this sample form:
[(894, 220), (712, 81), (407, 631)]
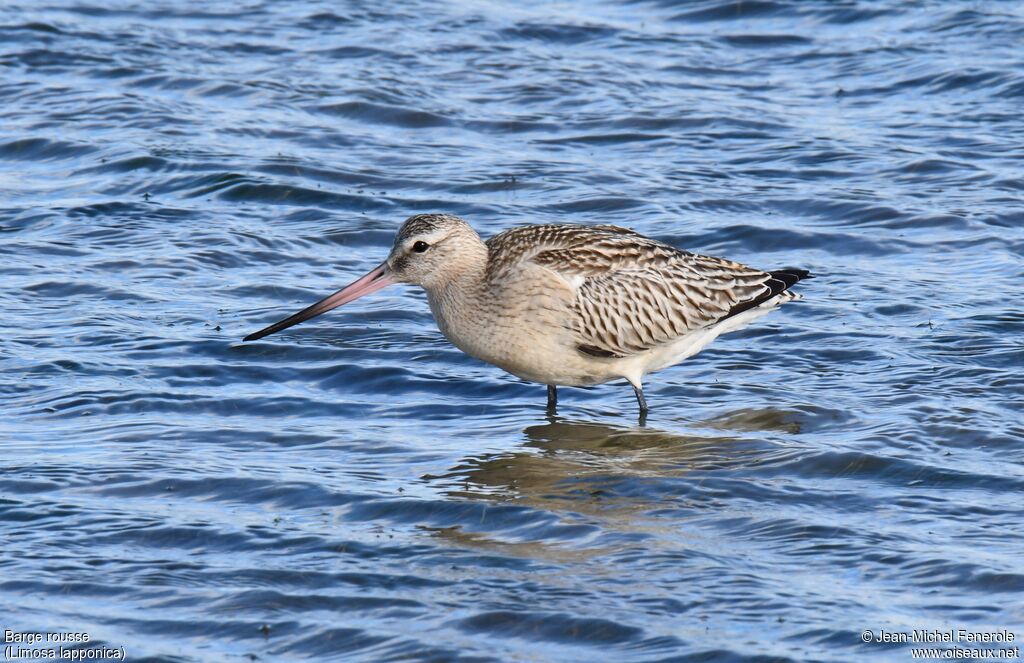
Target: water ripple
[(175, 177)]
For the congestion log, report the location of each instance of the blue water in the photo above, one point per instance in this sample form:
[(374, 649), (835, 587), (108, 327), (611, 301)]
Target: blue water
[(176, 175)]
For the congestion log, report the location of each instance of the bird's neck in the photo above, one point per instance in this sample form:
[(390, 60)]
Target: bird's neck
[(465, 281), (457, 301)]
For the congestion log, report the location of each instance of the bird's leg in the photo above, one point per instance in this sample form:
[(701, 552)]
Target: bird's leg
[(640, 399), (552, 396), (642, 402)]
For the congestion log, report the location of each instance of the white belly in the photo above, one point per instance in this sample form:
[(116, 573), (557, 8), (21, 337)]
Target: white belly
[(692, 343), (635, 367), (535, 341)]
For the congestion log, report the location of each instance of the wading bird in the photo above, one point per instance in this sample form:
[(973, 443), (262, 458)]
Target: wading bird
[(567, 305)]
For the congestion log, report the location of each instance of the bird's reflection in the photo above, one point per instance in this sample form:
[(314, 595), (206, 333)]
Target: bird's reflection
[(583, 479), (566, 460)]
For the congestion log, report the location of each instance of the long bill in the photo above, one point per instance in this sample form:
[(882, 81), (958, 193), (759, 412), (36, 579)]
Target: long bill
[(379, 277)]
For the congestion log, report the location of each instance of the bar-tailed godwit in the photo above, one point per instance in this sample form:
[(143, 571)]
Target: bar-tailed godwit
[(567, 305)]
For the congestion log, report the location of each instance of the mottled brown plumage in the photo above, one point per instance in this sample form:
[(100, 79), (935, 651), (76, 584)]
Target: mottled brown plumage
[(633, 293), (569, 304)]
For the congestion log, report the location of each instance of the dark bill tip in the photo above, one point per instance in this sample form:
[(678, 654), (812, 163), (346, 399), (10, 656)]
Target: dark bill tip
[(376, 279)]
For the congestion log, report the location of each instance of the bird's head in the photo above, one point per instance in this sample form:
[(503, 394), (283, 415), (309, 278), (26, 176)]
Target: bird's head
[(432, 249), (429, 251)]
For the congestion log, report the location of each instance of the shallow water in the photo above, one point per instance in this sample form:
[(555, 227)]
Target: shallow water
[(174, 176)]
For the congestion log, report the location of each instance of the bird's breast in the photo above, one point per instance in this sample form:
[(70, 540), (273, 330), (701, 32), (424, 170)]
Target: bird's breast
[(524, 330)]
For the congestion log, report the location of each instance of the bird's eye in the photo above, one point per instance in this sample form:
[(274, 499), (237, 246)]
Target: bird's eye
[(420, 247)]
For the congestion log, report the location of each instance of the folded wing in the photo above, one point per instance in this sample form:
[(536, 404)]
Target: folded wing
[(633, 293)]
